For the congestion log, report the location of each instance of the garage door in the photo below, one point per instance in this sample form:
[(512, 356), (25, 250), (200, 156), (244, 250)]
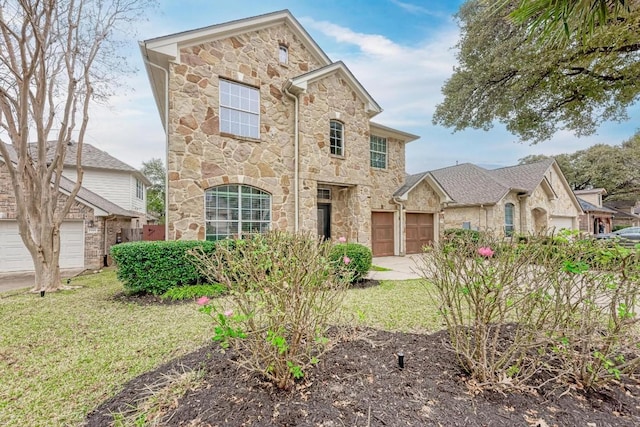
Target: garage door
[(14, 256), (561, 222), (419, 231), (382, 233)]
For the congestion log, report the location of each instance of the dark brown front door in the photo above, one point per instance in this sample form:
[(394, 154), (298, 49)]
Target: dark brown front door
[(419, 231), (324, 220), (382, 233)]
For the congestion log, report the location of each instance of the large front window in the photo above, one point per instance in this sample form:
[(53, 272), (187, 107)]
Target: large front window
[(239, 109), (336, 138), (508, 219), (233, 210), (378, 149)]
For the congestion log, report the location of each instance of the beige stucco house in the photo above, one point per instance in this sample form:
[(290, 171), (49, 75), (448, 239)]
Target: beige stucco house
[(264, 131), (530, 198)]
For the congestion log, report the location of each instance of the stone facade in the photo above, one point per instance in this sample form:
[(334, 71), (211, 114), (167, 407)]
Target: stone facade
[(201, 157)]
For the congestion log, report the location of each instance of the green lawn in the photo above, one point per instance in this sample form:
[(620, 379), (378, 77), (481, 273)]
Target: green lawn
[(63, 354)]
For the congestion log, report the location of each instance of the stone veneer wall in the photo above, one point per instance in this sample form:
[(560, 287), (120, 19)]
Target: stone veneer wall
[(93, 242), (483, 219), (201, 157)]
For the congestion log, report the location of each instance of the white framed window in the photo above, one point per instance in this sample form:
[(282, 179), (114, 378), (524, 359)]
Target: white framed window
[(234, 210), (336, 138), (139, 189), (239, 109), (283, 54), (509, 228), (378, 152)]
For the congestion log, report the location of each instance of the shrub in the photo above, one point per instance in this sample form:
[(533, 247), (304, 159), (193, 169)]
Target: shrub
[(282, 290), (155, 267), (546, 305), (359, 257), (193, 292)]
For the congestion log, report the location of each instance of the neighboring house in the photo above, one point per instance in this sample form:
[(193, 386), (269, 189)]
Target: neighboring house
[(627, 213), (264, 132), (531, 198), (596, 218), (91, 227)]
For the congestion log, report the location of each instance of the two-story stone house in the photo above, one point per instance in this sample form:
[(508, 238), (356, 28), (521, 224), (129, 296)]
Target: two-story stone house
[(264, 131)]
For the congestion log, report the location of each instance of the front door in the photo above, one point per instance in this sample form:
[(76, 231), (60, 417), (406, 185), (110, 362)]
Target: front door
[(324, 220)]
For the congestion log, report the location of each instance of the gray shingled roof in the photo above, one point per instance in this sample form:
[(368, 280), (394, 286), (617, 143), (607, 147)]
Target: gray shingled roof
[(468, 184), (86, 196), (589, 207)]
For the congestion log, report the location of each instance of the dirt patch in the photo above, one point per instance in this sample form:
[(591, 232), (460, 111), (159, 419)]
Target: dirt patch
[(360, 383)]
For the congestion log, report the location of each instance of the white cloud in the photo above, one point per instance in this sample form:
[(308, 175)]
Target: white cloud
[(417, 10)]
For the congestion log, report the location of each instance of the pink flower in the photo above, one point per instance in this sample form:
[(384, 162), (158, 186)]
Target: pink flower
[(486, 251), (346, 260), (342, 239), (202, 300), (228, 313)]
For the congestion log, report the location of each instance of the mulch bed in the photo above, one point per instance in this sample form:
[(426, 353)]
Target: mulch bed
[(359, 383)]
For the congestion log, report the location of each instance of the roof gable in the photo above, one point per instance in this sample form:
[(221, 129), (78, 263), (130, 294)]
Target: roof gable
[(300, 83)]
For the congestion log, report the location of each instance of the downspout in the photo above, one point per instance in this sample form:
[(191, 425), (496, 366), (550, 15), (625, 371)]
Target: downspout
[(166, 145), (296, 155), (401, 236)]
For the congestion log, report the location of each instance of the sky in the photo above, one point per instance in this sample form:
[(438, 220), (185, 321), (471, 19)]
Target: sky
[(401, 51)]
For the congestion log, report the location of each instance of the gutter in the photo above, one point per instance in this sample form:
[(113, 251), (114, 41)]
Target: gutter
[(296, 158), (166, 145)]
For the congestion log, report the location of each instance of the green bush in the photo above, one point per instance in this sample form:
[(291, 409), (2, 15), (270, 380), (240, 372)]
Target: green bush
[(359, 257), (453, 234), (192, 292), (155, 267)]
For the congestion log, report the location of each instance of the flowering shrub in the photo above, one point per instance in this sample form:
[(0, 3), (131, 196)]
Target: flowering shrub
[(282, 291), (514, 310), (355, 257)]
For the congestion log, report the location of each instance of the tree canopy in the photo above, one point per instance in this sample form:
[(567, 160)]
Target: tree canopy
[(154, 170), (615, 168), (535, 89)]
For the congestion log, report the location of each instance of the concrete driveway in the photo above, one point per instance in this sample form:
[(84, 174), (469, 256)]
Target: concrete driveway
[(401, 267), (12, 281)]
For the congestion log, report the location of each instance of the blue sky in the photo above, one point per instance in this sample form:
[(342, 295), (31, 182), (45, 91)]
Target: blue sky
[(401, 51)]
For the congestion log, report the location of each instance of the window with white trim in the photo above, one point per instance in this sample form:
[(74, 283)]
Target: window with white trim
[(239, 109), (234, 210), (283, 54), (509, 228), (336, 138), (139, 189), (378, 152)]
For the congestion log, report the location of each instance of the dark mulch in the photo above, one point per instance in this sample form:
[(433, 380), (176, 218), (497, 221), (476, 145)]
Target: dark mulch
[(359, 383)]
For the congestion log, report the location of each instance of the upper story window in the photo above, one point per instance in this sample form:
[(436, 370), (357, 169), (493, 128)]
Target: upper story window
[(336, 138), (378, 150), (283, 54), (139, 189), (509, 228), (234, 210), (239, 109)]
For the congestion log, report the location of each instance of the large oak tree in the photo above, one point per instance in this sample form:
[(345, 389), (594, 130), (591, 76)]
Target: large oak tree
[(507, 74), (56, 56)]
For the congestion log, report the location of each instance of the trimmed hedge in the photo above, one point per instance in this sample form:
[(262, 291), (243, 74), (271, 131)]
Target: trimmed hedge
[(155, 267), (359, 255)]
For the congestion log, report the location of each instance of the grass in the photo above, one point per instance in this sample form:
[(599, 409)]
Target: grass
[(62, 355), (378, 268)]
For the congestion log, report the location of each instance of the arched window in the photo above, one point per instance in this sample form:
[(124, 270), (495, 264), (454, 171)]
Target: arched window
[(233, 210), (336, 138), (509, 209)]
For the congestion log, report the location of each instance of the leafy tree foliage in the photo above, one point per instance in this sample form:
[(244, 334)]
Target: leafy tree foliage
[(613, 167), (535, 89), (154, 170)]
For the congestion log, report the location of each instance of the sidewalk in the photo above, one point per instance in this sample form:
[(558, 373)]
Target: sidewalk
[(401, 268), (19, 280)]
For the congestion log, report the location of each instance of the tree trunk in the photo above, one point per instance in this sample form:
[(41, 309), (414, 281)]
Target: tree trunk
[(46, 261)]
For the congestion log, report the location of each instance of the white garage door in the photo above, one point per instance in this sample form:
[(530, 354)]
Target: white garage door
[(14, 256), (562, 222)]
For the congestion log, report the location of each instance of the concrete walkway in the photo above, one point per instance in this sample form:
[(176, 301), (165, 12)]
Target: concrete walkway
[(12, 281), (401, 267)]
